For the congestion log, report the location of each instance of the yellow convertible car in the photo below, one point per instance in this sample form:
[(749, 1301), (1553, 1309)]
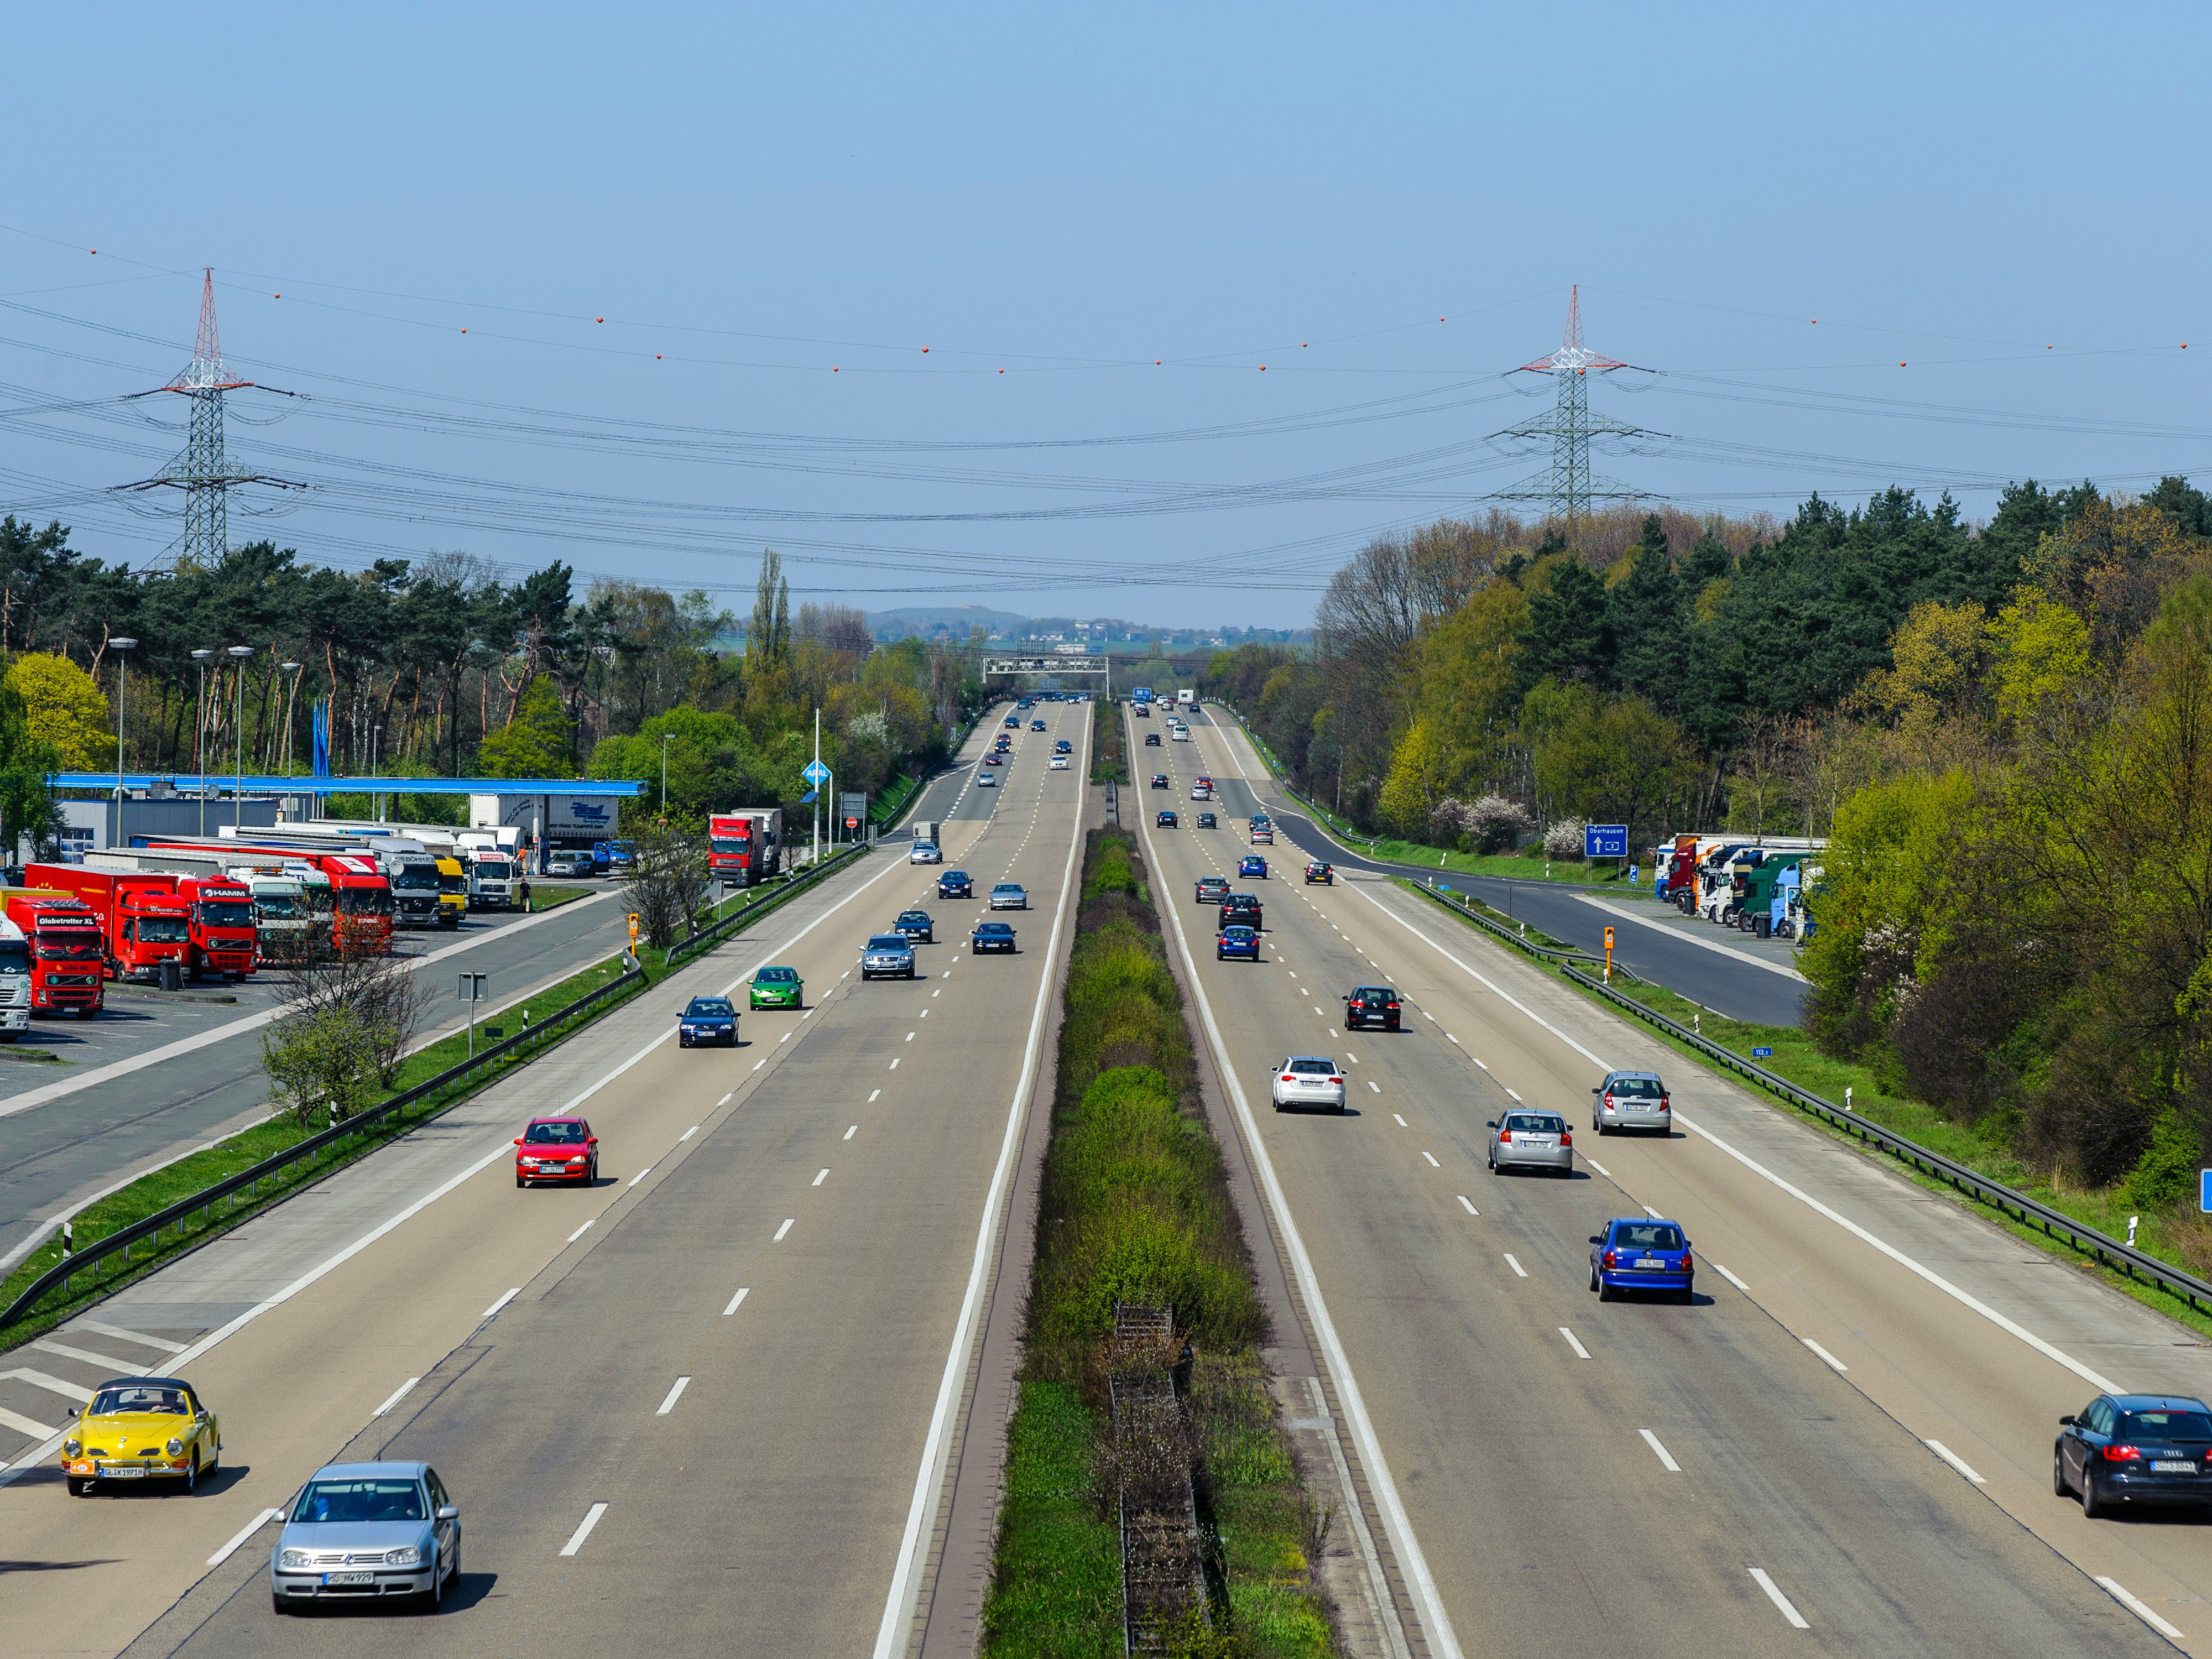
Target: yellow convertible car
[(141, 1428)]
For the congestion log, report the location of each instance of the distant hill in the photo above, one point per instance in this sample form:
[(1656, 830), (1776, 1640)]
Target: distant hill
[(933, 620)]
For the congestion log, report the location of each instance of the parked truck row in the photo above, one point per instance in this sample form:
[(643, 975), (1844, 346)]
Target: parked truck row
[(1758, 884)]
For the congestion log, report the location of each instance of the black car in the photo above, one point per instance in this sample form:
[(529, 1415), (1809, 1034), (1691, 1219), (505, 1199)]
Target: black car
[(708, 1019), (1371, 1005), (2130, 1449), (1211, 890), (1159, 779), (917, 925), (1241, 907), (1165, 821), (1063, 747), (1037, 725), (1322, 873), (955, 883), (992, 936), (1206, 820), (1152, 740)]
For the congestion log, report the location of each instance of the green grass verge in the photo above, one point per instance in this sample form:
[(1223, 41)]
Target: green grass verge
[(1135, 1208), (1109, 752), (552, 898), (2177, 1237)]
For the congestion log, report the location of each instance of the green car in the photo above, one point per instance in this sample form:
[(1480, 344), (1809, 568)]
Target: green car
[(778, 987)]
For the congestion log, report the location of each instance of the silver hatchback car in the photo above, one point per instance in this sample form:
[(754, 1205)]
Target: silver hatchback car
[(1532, 1140), (367, 1531), (1631, 1100)]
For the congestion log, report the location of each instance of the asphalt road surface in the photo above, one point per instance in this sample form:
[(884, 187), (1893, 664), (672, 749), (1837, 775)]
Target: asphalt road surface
[(1754, 1474), (739, 1355), (154, 1078)]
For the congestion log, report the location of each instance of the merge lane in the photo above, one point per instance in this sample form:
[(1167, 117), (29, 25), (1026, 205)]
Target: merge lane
[(1524, 1463)]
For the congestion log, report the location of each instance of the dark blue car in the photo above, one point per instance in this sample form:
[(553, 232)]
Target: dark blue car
[(708, 1019), (992, 936), (2135, 1448), (1236, 942), (1634, 1253), (1252, 865), (955, 883)]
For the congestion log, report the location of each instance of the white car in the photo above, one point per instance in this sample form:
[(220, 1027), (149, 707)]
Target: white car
[(987, 781), (1059, 764), (1308, 1080)]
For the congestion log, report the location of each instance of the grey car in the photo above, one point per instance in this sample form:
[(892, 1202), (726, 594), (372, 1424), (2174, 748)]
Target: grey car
[(1010, 896), (367, 1531), (887, 954), (1532, 1140), (1631, 1100)]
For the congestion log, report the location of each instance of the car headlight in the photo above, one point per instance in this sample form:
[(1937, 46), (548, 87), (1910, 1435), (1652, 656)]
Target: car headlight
[(176, 1447), (409, 1556), (293, 1559), (72, 1447)]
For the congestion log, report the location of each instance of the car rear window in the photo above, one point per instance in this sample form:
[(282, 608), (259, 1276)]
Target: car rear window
[(1647, 1235), (1375, 993), (1535, 1123), (1312, 1067), (888, 942), (2165, 1426), (1636, 1085), (368, 1499)]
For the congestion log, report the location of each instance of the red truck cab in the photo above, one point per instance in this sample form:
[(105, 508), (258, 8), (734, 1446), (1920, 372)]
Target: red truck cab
[(143, 921), (67, 951), (221, 923)]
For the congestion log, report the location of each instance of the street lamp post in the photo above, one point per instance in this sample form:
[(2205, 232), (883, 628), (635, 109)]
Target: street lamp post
[(291, 696), (199, 738), (120, 646), (665, 737), (376, 795), (238, 653)]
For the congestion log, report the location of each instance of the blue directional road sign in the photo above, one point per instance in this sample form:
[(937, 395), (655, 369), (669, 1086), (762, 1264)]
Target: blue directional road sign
[(2204, 1190), (815, 774), (1605, 841)]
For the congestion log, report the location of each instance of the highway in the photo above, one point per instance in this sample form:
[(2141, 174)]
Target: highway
[(712, 1397), (1750, 1474), (154, 1078)]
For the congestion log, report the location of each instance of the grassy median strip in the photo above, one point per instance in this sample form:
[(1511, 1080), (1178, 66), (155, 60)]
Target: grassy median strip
[(1136, 1208), (172, 1183)]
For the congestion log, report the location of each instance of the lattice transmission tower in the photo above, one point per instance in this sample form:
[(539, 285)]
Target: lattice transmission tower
[(205, 471), (1569, 488)]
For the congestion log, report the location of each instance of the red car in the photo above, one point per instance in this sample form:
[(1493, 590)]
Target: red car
[(556, 1149)]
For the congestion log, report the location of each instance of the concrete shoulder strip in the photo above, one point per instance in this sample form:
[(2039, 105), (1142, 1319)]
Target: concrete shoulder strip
[(1689, 937)]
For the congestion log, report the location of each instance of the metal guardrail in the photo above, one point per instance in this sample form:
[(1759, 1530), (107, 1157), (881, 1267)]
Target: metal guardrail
[(124, 1239), (2055, 1224)]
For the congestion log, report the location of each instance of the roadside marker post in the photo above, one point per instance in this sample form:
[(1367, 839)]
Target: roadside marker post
[(471, 992)]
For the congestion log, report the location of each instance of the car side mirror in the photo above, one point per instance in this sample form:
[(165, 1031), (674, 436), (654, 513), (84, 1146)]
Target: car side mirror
[(1597, 1091), (518, 1140), (590, 1140), (449, 1512), (1597, 1238), (2067, 1421), (1490, 1123)]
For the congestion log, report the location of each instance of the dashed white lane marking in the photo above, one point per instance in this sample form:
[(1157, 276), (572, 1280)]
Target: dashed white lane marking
[(850, 1132), (1599, 1167), (1730, 1277), (820, 1177), (1401, 1121), (743, 1291), (759, 1063), (1956, 1461), (687, 1134), (1825, 1355), (241, 1535), (909, 1036), (1374, 1087), (895, 1065), (1774, 1594), (1518, 1098), (398, 1395), (2135, 1605), (1666, 1458), (725, 1100), (1574, 1342), (785, 1037), (1353, 1058), (502, 1301), (1514, 1262), (642, 1174), (1467, 1204), (583, 1528), (872, 1093), (581, 1230), (1653, 1213), (1431, 1157), (674, 1394), (789, 1223)]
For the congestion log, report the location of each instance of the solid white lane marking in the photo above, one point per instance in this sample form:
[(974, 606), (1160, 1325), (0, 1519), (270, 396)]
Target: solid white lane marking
[(687, 1134), (1468, 1204), (1512, 1261), (674, 1394), (1728, 1276), (742, 1294), (1374, 1087), (850, 1132), (1825, 1355), (583, 1530), (398, 1395), (99, 1329), (502, 1301), (1431, 1157), (1666, 1458), (107, 1362), (821, 1178), (2135, 1605), (241, 1535), (1401, 1121), (1599, 1167), (642, 1174), (1774, 1594), (1574, 1342), (872, 1093), (581, 1230), (1956, 1461)]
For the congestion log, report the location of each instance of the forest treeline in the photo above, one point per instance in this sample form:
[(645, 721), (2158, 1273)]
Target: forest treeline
[(441, 667), (2006, 728)]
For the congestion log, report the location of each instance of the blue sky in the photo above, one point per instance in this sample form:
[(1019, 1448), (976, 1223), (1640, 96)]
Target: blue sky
[(759, 196)]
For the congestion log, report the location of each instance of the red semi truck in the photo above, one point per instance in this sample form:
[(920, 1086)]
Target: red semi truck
[(219, 916), (744, 848), (144, 922), (360, 895), (66, 951)]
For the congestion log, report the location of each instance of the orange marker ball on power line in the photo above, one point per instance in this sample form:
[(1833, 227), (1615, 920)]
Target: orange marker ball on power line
[(598, 319), (276, 296), (465, 330), (1900, 365), (1263, 368)]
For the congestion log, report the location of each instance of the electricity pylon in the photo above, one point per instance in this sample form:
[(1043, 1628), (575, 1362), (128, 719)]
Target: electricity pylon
[(1568, 489)]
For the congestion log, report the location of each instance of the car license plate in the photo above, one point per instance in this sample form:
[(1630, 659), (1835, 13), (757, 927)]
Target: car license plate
[(2172, 1465), (348, 1578), (1650, 1263), (122, 1472)]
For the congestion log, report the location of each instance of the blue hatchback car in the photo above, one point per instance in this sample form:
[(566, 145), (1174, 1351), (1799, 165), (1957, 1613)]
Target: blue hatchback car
[(1238, 941), (1253, 865), (1635, 1252)]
